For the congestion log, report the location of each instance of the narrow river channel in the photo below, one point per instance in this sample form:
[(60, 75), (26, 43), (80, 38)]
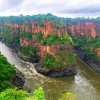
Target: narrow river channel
[(85, 85)]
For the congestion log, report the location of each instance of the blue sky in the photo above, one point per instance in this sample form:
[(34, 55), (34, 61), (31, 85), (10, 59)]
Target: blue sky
[(65, 8)]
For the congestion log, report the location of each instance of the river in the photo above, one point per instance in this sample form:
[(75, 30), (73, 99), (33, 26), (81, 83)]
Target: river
[(85, 85)]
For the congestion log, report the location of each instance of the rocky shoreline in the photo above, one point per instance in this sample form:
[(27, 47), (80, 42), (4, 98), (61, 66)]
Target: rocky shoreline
[(48, 72), (18, 80), (28, 59), (54, 72)]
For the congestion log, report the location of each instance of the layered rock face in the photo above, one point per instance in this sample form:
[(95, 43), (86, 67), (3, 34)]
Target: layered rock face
[(89, 29), (46, 28)]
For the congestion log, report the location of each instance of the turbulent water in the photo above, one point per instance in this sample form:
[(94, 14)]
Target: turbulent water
[(85, 85)]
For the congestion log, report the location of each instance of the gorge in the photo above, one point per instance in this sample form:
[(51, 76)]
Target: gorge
[(42, 47)]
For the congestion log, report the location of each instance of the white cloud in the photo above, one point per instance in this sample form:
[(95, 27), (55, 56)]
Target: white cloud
[(70, 8)]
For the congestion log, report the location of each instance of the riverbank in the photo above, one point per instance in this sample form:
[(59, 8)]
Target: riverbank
[(48, 72), (18, 80), (54, 72), (95, 66)]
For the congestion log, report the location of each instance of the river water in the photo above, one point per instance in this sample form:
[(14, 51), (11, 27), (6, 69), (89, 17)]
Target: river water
[(85, 85)]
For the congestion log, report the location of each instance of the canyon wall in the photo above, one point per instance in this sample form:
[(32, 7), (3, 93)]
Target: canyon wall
[(89, 29), (33, 28)]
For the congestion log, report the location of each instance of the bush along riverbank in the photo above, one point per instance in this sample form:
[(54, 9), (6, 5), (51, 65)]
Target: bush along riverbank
[(88, 49)]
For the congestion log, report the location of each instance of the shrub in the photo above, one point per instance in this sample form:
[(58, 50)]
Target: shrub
[(61, 39), (68, 96), (25, 35), (28, 51), (38, 94), (39, 36), (5, 85), (50, 39), (48, 61), (58, 62), (71, 57), (13, 94), (69, 39), (65, 38)]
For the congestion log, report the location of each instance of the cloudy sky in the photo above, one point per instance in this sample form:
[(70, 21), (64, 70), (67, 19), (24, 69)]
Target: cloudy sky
[(65, 8)]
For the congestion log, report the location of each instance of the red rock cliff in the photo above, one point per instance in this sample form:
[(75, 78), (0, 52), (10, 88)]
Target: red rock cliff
[(89, 29), (46, 29)]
